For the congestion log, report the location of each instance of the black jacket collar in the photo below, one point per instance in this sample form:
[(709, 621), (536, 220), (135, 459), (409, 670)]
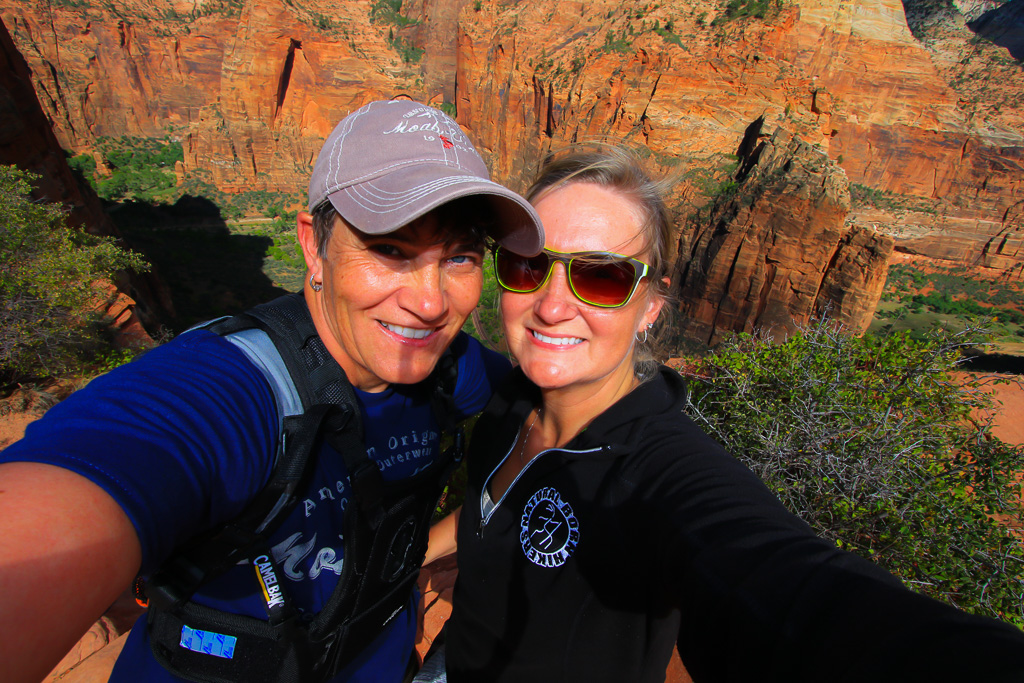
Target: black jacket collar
[(619, 427)]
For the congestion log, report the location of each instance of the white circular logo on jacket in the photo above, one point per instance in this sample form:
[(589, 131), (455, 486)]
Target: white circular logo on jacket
[(549, 530)]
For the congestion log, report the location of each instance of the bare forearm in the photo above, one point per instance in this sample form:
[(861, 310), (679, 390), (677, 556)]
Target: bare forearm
[(442, 537), (66, 552)]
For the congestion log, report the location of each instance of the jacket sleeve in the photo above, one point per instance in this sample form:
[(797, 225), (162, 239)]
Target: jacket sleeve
[(762, 598)]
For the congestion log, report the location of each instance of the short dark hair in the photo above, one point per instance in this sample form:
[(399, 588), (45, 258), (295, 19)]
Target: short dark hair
[(471, 219)]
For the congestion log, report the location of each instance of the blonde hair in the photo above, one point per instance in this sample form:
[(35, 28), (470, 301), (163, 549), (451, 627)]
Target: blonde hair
[(618, 169)]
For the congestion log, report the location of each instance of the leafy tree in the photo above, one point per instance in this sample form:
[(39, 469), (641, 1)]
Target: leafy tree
[(48, 280), (140, 168), (485, 323), (86, 165), (872, 442)]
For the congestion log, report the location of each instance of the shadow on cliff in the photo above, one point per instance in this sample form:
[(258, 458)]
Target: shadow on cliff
[(207, 270), (1004, 26)]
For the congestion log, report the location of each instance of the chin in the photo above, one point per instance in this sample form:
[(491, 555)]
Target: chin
[(409, 375), (547, 376)]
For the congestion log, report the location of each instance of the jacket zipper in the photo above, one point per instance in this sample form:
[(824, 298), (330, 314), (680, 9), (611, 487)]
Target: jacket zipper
[(497, 504)]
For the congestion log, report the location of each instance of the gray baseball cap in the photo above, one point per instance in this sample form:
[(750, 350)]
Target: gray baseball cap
[(391, 162)]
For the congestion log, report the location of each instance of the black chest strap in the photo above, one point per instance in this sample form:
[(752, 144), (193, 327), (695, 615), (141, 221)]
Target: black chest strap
[(384, 532)]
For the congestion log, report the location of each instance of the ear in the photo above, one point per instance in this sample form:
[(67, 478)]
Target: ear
[(307, 240), (654, 304)]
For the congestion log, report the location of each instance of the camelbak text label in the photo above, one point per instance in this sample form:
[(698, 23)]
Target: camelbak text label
[(268, 581), (208, 642)]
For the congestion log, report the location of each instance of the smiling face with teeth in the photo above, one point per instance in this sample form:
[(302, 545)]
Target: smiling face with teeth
[(392, 303), (560, 341)]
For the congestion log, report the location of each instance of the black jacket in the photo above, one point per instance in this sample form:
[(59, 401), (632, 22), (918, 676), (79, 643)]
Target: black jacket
[(643, 532)]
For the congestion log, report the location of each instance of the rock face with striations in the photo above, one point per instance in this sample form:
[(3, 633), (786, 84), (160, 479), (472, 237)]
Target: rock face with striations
[(777, 251), (252, 87), (26, 141), (846, 76)]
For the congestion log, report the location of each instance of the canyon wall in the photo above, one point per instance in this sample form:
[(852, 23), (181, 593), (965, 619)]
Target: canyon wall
[(253, 85), (27, 141), (251, 88), (777, 250), (848, 77)]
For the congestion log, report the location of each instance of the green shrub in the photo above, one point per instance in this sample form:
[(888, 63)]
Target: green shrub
[(390, 12), (449, 108), (954, 292), (409, 53), (485, 322), (738, 9), (322, 21), (285, 222), (613, 44), (873, 443), (86, 166), (669, 36), (140, 168), (48, 275)]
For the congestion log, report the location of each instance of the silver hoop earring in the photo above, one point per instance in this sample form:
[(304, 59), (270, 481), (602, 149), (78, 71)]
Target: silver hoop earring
[(644, 340), (315, 285)]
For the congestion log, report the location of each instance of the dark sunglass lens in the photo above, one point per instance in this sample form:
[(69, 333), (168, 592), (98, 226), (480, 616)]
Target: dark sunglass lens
[(605, 283), (520, 272)]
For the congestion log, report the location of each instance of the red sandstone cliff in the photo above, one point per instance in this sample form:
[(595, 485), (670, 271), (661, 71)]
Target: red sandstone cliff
[(27, 141), (778, 250), (252, 87), (846, 76)]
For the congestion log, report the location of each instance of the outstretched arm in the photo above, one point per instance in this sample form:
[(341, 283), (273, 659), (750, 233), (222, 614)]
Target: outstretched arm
[(442, 539), (67, 550)]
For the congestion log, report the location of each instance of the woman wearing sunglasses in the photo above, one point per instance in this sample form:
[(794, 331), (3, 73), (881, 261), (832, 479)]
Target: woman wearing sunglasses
[(601, 526)]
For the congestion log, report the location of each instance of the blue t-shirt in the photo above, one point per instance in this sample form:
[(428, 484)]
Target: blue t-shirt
[(184, 436)]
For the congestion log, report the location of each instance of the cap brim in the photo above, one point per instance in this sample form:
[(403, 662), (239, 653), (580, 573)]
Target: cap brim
[(385, 204)]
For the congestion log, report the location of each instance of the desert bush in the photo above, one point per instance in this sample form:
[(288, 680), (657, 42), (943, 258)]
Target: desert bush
[(738, 9), (85, 165), (48, 281), (958, 295), (409, 53), (485, 323), (390, 12), (613, 44), (873, 443), (140, 168)]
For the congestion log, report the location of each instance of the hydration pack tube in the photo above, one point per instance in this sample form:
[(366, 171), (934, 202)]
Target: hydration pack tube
[(384, 535)]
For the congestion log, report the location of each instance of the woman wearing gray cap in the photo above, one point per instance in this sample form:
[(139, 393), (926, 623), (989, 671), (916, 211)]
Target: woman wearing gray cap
[(154, 468)]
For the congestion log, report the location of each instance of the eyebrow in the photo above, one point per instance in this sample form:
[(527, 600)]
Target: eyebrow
[(444, 238)]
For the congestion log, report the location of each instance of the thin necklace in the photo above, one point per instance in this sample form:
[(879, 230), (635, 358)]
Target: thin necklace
[(522, 449)]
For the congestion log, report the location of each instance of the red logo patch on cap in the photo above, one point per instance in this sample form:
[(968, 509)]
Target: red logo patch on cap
[(448, 144)]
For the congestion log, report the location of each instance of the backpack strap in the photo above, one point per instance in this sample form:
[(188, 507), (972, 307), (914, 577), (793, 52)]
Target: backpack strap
[(261, 351), (384, 532), (318, 377), (280, 339)]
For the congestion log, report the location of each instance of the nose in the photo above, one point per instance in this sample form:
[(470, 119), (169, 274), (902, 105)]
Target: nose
[(557, 303), (425, 294)]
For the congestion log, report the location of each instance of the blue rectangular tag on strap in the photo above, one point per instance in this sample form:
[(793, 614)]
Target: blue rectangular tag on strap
[(208, 642)]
